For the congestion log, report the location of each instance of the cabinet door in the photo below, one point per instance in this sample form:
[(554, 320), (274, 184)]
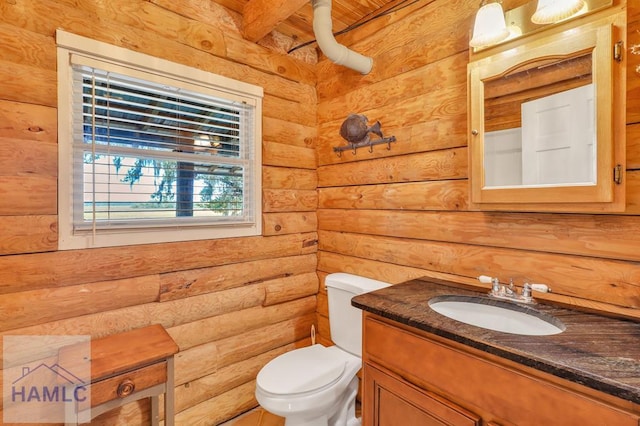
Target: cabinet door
[(391, 402)]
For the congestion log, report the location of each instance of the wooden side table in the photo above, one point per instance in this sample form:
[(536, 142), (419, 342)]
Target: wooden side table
[(126, 367)]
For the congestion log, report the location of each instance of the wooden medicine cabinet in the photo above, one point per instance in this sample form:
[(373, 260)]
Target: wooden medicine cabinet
[(546, 123)]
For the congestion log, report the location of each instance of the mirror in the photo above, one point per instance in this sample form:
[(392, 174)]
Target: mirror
[(542, 123)]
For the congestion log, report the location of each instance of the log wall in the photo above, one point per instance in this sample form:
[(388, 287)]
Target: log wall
[(402, 213), (231, 305)]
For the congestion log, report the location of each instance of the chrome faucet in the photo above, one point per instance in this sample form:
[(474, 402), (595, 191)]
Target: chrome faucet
[(510, 292), (495, 285)]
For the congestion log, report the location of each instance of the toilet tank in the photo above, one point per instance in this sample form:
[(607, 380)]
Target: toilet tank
[(345, 320)]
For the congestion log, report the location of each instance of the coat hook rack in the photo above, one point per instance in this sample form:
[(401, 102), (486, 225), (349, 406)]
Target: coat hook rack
[(354, 147), (355, 131)]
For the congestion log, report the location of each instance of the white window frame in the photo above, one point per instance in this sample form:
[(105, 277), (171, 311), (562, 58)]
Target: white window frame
[(71, 48)]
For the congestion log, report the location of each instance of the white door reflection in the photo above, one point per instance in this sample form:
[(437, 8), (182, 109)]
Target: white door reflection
[(552, 147)]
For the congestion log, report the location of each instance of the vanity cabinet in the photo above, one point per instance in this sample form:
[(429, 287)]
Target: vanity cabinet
[(412, 377)]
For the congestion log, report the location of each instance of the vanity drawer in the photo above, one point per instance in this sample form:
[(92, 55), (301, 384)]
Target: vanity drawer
[(496, 391), (125, 384)]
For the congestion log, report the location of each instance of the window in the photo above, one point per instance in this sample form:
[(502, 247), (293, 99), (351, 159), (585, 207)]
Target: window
[(153, 151)]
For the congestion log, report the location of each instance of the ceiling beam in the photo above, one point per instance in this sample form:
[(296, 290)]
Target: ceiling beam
[(260, 17)]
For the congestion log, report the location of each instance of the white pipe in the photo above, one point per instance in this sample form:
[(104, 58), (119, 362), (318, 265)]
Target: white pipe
[(338, 53)]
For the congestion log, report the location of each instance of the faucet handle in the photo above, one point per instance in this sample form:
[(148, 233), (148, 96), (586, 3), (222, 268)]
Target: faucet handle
[(542, 288), (485, 279), (526, 290), (494, 281)]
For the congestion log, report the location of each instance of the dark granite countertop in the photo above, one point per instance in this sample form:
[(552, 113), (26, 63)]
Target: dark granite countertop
[(599, 352)]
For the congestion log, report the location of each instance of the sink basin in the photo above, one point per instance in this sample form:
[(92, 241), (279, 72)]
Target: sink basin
[(496, 315)]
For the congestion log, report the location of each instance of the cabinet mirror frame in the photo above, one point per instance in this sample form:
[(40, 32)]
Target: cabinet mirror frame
[(604, 194)]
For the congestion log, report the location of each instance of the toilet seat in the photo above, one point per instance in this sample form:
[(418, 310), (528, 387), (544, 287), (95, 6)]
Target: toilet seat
[(302, 370)]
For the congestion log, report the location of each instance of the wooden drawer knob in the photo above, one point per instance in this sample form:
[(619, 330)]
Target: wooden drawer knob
[(126, 388)]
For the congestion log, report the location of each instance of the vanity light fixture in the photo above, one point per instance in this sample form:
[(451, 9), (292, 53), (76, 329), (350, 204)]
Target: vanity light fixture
[(552, 11), (489, 27)]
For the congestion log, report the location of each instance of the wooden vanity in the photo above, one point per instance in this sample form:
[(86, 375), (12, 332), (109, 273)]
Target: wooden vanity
[(421, 368)]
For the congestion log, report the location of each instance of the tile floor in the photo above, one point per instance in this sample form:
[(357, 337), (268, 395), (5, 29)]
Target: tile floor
[(257, 417)]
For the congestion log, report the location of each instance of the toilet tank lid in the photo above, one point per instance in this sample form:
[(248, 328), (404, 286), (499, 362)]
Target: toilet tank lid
[(353, 283)]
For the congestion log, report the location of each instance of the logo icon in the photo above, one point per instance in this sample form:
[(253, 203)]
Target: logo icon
[(45, 378)]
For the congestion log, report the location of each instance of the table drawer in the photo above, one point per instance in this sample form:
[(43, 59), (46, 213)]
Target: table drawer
[(125, 384)]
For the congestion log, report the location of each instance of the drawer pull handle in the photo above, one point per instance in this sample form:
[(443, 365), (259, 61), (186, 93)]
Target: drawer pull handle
[(126, 388)]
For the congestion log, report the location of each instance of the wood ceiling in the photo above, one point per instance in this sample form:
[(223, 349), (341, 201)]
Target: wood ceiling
[(294, 18)]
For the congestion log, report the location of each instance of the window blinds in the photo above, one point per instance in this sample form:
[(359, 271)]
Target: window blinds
[(148, 153)]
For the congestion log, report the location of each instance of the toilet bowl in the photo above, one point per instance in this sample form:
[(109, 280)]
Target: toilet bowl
[(311, 386), (317, 385)]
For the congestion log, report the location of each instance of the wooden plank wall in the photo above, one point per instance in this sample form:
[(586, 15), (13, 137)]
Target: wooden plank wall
[(402, 213), (231, 305)]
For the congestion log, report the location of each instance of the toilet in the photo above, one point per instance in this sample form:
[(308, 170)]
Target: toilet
[(317, 385)]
